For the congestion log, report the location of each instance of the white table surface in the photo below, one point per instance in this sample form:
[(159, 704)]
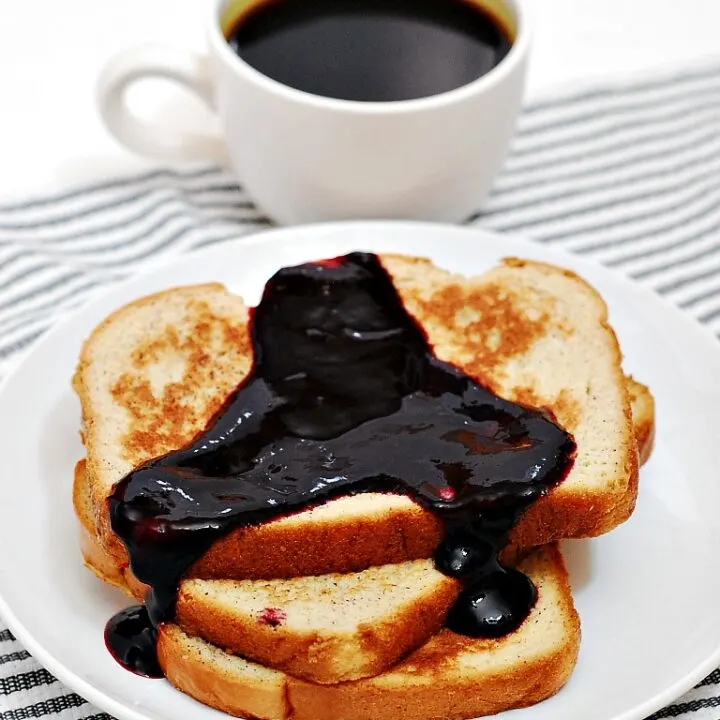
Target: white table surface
[(50, 54)]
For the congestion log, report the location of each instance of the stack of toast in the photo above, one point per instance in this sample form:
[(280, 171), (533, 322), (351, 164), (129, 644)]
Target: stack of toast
[(338, 612)]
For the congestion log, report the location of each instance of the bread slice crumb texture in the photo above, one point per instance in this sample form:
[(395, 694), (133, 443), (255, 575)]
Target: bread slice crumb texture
[(326, 628)]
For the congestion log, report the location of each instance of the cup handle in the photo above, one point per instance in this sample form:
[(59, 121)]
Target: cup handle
[(150, 61)]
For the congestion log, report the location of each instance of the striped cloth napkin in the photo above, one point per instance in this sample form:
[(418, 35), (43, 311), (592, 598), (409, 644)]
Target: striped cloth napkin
[(626, 174)]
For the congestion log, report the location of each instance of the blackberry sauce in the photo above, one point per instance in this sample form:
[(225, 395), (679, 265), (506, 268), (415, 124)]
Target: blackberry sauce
[(345, 397)]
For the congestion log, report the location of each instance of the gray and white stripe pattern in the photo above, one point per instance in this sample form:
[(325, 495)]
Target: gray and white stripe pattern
[(628, 175)]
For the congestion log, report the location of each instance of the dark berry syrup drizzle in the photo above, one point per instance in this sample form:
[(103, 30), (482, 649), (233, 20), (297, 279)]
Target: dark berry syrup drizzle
[(345, 397)]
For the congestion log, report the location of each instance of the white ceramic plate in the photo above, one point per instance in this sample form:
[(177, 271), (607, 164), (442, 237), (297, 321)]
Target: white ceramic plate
[(647, 593)]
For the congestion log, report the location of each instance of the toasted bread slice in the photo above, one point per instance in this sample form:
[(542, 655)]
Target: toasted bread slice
[(149, 378), (324, 628), (450, 677), (154, 372)]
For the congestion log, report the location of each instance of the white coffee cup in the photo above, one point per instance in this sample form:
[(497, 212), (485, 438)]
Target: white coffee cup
[(306, 158)]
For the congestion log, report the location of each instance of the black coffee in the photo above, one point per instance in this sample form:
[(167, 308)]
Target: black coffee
[(370, 50)]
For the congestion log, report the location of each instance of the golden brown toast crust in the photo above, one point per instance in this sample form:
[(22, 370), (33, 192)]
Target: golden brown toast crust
[(162, 422), (643, 412), (323, 654), (95, 554), (482, 348), (264, 696), (217, 356), (450, 678), (340, 545)]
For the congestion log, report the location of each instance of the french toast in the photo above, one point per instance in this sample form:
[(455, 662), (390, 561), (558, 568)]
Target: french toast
[(451, 677), (317, 655), (335, 610), (323, 628), (154, 372)]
